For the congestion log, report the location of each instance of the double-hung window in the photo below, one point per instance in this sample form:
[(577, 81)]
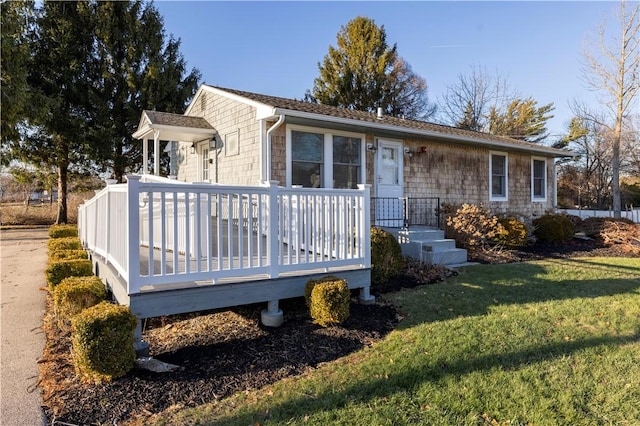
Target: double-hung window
[(499, 177), (538, 179)]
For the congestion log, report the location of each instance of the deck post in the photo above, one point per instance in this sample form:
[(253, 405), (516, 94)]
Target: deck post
[(365, 297), (273, 231), (272, 316), (133, 234), (141, 347)]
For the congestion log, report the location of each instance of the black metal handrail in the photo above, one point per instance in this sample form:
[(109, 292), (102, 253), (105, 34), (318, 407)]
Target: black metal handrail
[(404, 212)]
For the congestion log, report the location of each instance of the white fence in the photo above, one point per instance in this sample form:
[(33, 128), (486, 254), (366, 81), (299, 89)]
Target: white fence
[(633, 215), (157, 231)]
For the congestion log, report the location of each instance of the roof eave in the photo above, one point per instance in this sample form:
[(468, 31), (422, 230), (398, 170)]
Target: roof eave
[(196, 133), (381, 126)]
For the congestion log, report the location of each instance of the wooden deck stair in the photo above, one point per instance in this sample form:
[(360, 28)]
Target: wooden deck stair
[(430, 246)]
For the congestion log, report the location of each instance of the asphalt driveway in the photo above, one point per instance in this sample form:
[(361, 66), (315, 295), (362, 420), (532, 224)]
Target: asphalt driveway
[(23, 259)]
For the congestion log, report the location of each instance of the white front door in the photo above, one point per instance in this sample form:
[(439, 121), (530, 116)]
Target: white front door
[(389, 206)]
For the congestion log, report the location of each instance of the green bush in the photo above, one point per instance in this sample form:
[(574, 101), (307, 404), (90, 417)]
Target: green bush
[(61, 269), (386, 257), (514, 232), (102, 337), (554, 228), (65, 243), (68, 255), (63, 231), (328, 300), (75, 294)]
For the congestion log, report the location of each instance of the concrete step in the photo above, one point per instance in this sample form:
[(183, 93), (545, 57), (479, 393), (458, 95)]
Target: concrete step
[(445, 257), (436, 245), (420, 235)]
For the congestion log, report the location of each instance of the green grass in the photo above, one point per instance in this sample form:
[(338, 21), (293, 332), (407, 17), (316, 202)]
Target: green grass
[(538, 343)]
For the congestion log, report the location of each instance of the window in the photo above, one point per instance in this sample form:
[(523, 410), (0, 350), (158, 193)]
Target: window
[(498, 171), (538, 179), (307, 159), (205, 163), (346, 162)]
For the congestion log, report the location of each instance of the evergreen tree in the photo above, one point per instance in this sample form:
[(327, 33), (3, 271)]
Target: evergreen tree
[(522, 119), (59, 80), (17, 24), (137, 69), (363, 73)]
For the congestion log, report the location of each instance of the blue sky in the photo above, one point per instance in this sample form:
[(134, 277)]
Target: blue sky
[(274, 47)]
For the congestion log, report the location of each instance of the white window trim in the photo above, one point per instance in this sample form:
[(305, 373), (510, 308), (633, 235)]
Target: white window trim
[(199, 153), (327, 153), (535, 198), (504, 197)]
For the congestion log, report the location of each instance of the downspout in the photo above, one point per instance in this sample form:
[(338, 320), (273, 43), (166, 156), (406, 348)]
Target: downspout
[(267, 158)]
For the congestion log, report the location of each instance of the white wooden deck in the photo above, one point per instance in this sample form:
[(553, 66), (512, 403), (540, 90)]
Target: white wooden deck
[(165, 247)]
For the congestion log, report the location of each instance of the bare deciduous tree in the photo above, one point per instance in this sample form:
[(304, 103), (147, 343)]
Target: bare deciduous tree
[(613, 69), (467, 103)]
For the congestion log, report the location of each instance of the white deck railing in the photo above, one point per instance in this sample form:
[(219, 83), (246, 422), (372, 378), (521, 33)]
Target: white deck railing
[(156, 231)]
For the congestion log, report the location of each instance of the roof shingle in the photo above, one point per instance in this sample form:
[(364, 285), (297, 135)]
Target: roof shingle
[(370, 118)]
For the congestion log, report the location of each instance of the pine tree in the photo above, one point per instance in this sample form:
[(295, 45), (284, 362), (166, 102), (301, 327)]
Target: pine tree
[(137, 69), (364, 73), (59, 80), (522, 119)]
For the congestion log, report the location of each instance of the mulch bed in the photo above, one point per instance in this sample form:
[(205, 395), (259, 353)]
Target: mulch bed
[(228, 351)]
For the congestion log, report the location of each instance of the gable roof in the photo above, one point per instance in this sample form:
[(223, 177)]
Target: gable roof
[(173, 126), (385, 125)]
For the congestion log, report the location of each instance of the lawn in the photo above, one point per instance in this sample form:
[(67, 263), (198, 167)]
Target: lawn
[(541, 343)]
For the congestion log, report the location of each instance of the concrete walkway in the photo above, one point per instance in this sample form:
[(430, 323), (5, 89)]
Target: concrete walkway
[(23, 259)]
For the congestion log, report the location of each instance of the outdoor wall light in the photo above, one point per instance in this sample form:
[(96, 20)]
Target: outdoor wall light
[(371, 147)]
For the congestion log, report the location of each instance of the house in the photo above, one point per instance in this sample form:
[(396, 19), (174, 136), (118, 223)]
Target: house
[(266, 193), (235, 137)]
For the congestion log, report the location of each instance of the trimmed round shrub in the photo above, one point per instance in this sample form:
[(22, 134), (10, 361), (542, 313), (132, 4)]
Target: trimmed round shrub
[(514, 232), (63, 231), (65, 243), (328, 300), (68, 255), (75, 294), (102, 337), (386, 257), (553, 228), (61, 269)]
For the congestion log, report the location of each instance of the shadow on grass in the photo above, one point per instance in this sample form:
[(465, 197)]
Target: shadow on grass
[(409, 379)]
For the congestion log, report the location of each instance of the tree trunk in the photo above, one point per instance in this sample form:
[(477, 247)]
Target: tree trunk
[(62, 194)]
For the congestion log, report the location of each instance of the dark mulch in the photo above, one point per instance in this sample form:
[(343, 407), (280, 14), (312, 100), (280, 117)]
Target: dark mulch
[(229, 351), (221, 353)]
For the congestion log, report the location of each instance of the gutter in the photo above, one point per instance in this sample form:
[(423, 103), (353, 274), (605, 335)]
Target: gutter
[(424, 133), (265, 155)]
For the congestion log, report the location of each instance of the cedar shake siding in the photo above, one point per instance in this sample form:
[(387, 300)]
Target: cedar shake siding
[(237, 158)]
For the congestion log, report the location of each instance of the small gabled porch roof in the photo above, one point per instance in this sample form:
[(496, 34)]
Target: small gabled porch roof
[(173, 127), (166, 126)]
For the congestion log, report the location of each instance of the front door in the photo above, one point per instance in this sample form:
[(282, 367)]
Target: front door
[(389, 205)]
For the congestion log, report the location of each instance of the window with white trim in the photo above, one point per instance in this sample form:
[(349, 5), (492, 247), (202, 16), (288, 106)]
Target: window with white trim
[(346, 162), (307, 159), (538, 179), (320, 158), (204, 161), (499, 177)]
